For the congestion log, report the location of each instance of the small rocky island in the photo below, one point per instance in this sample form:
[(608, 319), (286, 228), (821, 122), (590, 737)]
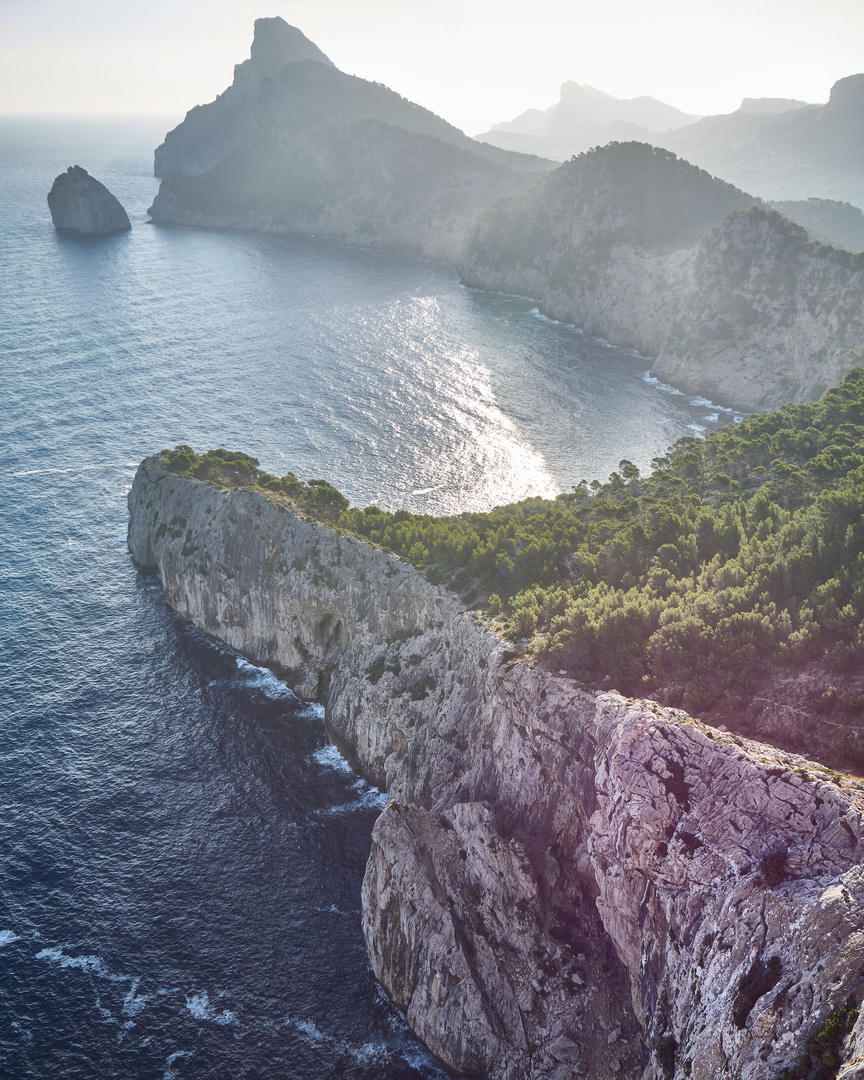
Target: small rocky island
[(81, 205)]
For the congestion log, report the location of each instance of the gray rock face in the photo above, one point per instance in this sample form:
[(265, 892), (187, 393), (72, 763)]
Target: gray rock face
[(743, 312), (563, 884), (80, 204), (627, 242)]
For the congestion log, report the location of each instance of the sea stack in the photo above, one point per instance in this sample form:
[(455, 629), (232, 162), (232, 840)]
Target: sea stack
[(79, 204)]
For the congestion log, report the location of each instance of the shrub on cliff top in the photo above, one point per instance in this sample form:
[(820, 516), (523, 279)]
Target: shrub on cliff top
[(232, 469), (735, 553)]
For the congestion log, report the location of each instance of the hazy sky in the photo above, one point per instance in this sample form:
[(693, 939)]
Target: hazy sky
[(474, 62)]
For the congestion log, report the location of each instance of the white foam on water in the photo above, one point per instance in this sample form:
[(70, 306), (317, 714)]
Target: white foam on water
[(372, 799), (200, 1007), (7, 937), (369, 797), (261, 678), (333, 910), (330, 758), (169, 1073), (665, 387), (90, 965), (698, 429), (538, 314), (364, 1054), (134, 1002)]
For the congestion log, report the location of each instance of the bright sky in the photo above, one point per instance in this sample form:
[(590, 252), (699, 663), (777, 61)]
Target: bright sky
[(475, 62)]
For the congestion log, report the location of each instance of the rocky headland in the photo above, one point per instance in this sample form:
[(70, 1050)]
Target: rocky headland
[(627, 241), (81, 205), (297, 146), (564, 883)]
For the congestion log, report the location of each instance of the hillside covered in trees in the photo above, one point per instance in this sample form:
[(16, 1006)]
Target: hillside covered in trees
[(737, 559)]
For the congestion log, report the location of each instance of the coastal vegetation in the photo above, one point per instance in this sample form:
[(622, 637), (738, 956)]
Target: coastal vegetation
[(735, 554)]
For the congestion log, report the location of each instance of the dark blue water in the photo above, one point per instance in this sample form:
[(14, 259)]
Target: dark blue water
[(180, 851)]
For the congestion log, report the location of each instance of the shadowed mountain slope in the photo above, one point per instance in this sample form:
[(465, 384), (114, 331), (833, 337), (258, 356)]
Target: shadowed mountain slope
[(299, 146), (631, 243)]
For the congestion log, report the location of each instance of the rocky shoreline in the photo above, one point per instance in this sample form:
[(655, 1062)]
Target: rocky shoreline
[(564, 883)]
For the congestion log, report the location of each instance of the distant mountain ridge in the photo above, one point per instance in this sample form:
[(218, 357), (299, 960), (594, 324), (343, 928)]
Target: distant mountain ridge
[(816, 151), (778, 148), (584, 116), (628, 241)]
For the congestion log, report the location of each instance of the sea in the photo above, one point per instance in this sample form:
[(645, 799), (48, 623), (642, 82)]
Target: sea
[(181, 851)]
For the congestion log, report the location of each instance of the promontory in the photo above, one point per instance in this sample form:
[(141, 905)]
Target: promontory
[(566, 882)]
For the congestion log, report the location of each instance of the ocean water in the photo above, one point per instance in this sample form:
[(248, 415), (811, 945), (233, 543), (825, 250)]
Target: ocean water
[(180, 850)]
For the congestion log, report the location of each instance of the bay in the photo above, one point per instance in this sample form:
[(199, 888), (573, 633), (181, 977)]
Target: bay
[(180, 851)]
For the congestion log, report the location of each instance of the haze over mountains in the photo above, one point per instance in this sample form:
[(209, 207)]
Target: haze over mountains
[(777, 148), (584, 117), (295, 145), (628, 242)]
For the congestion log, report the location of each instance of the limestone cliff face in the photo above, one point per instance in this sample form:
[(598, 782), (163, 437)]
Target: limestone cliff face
[(563, 883), (81, 205), (296, 146), (743, 312)]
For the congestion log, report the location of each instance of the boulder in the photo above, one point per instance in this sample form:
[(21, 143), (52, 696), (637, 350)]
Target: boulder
[(80, 204)]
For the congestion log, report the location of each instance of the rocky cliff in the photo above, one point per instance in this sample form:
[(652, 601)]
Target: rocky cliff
[(563, 883), (628, 242), (79, 204), (297, 146), (635, 245)]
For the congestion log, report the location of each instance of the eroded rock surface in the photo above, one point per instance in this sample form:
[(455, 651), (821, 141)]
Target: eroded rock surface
[(81, 205), (563, 883)]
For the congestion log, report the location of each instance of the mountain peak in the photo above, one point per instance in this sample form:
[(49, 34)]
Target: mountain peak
[(572, 92), (277, 44), (766, 106), (847, 93)]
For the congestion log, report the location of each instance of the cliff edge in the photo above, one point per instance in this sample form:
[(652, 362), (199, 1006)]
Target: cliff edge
[(563, 883)]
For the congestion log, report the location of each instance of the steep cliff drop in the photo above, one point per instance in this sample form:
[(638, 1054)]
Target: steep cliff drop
[(564, 884), (732, 300), (80, 205)]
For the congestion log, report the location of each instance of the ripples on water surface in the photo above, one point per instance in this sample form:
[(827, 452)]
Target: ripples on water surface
[(180, 851)]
